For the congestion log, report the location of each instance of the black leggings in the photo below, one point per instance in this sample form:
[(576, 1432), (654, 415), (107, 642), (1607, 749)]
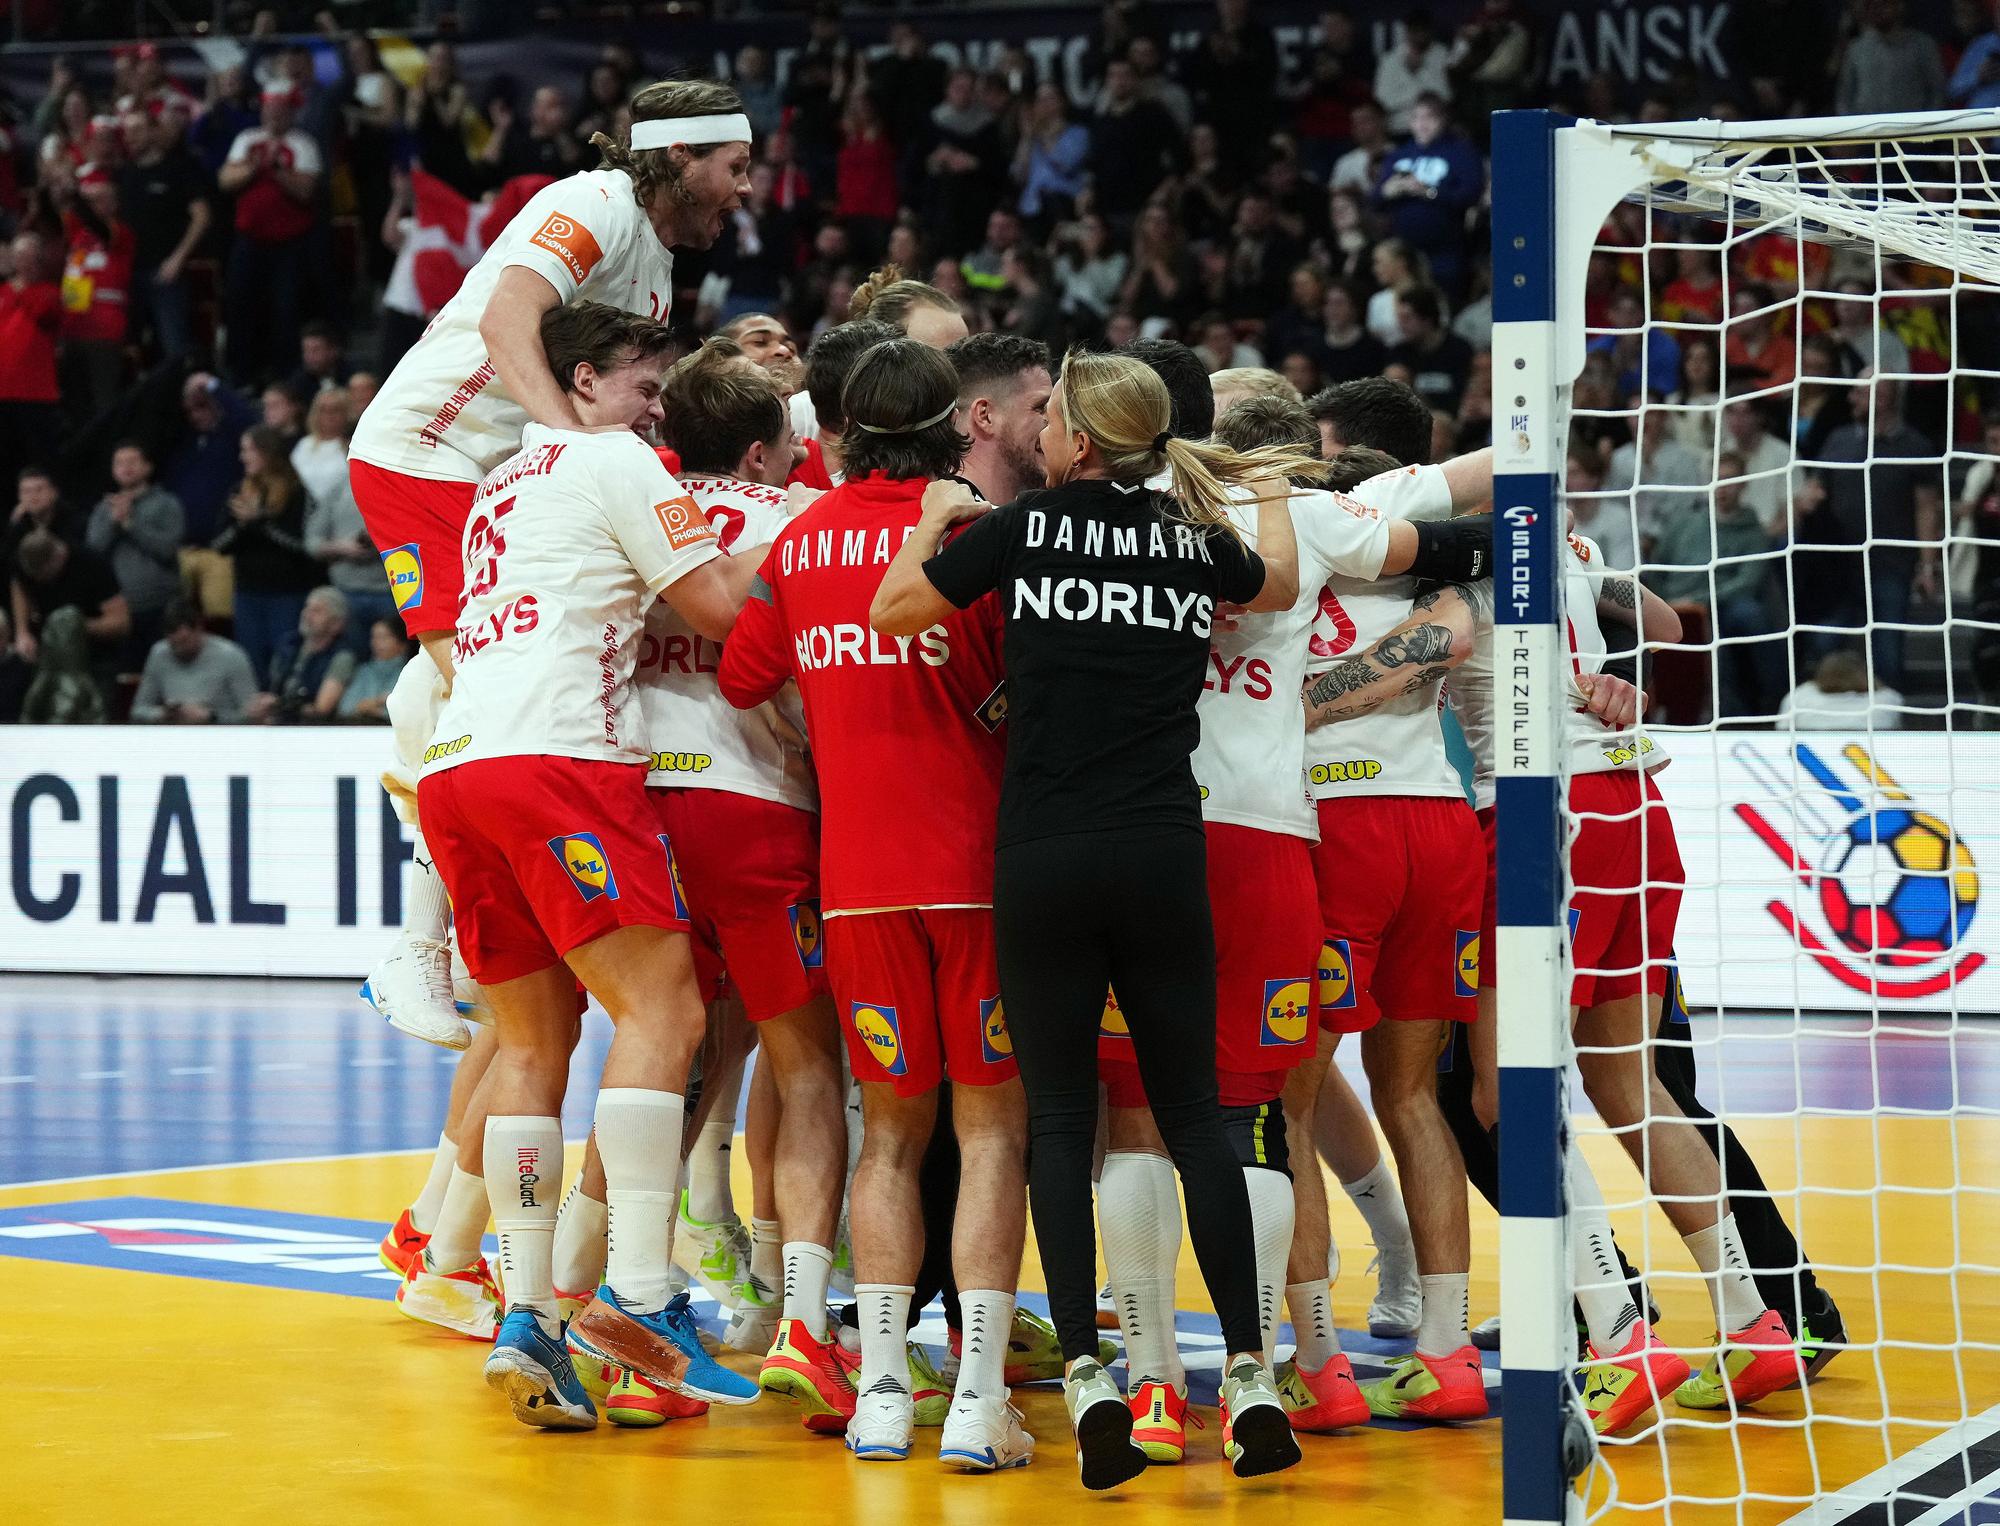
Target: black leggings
[(1073, 916)]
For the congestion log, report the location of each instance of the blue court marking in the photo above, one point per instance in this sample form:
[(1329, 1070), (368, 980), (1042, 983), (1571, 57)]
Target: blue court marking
[(312, 1253)]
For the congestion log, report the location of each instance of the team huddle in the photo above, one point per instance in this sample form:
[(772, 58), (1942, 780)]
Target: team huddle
[(919, 711)]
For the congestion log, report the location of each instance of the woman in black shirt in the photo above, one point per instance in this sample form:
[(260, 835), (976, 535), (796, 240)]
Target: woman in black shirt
[(1109, 590)]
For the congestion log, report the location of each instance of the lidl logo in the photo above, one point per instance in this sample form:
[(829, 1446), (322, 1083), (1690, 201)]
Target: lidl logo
[(881, 1035), (674, 877), (582, 858), (1336, 976), (404, 568), (1112, 1023), (995, 1042), (1575, 921), (806, 937), (1288, 1007), (1677, 1002), (1465, 976)]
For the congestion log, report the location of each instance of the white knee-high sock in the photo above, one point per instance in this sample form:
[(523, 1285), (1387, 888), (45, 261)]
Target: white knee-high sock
[(709, 1200), (461, 1220), (427, 913), (581, 1226), (989, 1323), (1443, 1328), (1719, 1253), (1380, 1202), (1600, 1284), (424, 1211), (807, 1269), (1272, 1205), (639, 1141), (767, 1265), (1139, 1221), (1311, 1305), (884, 1309), (523, 1157)]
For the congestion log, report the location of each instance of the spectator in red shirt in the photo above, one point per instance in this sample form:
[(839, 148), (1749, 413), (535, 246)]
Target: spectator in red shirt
[(274, 172), (96, 290), (30, 318), (865, 177)]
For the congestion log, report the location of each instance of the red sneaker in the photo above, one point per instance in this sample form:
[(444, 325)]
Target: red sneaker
[(1750, 1364), (1620, 1388), (1421, 1387), (810, 1373), (402, 1245), (1325, 1400)]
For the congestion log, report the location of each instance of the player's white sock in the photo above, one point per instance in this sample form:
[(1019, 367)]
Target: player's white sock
[(523, 1157), (807, 1268), (989, 1323), (1443, 1329), (1139, 1221), (767, 1261), (709, 1200), (581, 1226), (1380, 1202), (461, 1220), (1311, 1304), (1272, 1204), (424, 1211), (884, 1311), (639, 1141), (1718, 1251), (1601, 1289), (427, 912)]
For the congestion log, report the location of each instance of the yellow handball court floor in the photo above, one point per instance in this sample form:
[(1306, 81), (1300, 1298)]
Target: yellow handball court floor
[(203, 1342)]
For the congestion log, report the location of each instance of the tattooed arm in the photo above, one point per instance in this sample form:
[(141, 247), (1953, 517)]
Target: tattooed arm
[(1625, 599), (1436, 638)]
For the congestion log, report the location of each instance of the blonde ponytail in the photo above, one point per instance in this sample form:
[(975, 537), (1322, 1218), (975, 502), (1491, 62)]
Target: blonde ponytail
[(1206, 476)]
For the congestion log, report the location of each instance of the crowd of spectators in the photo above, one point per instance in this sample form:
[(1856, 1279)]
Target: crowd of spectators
[(207, 277)]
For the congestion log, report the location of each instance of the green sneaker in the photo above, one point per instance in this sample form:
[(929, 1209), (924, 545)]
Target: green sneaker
[(930, 1395), (1106, 1455), (721, 1252), (1256, 1432)]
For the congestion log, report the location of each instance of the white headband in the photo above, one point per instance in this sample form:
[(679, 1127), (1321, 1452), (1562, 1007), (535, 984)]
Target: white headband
[(695, 132)]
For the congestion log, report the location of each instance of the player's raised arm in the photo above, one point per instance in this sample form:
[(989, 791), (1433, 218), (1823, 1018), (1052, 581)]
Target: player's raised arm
[(511, 329), (1438, 636)]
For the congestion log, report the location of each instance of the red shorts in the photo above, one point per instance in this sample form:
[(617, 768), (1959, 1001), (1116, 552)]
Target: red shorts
[(1626, 880), (1489, 912), (750, 869), (1399, 903), (918, 994), (418, 526), (543, 855), (1267, 938)]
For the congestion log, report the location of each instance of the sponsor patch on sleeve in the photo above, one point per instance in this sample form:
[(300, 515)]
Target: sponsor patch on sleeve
[(684, 522), (569, 241)]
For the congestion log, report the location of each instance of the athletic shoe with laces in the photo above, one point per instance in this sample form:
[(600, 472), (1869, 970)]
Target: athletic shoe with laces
[(1159, 1420), (465, 1301), (1751, 1364), (809, 1373), (1421, 1387), (1256, 1433), (411, 987), (721, 1253), (530, 1368), (1621, 1387), (1825, 1334), (754, 1323), (983, 1434), (1486, 1334), (1034, 1354), (664, 1347), (1324, 1400), (879, 1430), (1106, 1454), (634, 1403), (402, 1245), (930, 1395), (1398, 1306)]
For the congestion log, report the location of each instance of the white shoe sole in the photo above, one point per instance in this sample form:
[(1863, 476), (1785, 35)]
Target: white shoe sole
[(531, 1393), (984, 1459), (424, 1314), (454, 1038)]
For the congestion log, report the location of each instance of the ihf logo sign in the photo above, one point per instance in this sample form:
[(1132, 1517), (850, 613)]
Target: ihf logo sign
[(1890, 887)]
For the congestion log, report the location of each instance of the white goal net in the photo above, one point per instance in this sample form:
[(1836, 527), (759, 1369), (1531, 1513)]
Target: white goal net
[(1766, 394)]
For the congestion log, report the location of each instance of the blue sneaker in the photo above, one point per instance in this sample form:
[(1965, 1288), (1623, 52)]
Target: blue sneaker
[(664, 1348), (534, 1372)]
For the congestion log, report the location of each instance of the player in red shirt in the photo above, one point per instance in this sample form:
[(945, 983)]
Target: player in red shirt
[(906, 738)]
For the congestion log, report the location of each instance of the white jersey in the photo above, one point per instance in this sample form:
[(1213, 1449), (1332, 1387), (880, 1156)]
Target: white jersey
[(699, 740), (1594, 748), (444, 413), (1251, 760), (805, 417), (1469, 689), (1397, 749), (566, 547)]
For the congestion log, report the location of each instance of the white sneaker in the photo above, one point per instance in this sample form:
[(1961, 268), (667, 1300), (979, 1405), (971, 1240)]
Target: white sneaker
[(753, 1326), (881, 1425), (466, 1301), (983, 1434), (467, 994), (1399, 1297), (412, 988), (717, 1254)]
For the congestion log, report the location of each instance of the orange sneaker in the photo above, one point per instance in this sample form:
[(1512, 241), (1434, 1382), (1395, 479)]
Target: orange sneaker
[(1324, 1400), (1421, 1387), (811, 1374), (403, 1244), (636, 1403), (1620, 1388), (1750, 1364), (1159, 1421)]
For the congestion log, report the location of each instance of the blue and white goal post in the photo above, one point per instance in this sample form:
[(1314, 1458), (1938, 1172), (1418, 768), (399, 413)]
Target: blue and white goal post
[(1876, 235)]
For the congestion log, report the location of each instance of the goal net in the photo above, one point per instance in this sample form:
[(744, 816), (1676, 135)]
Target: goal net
[(1747, 421)]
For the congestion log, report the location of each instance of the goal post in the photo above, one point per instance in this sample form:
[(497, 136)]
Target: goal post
[(1828, 880)]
